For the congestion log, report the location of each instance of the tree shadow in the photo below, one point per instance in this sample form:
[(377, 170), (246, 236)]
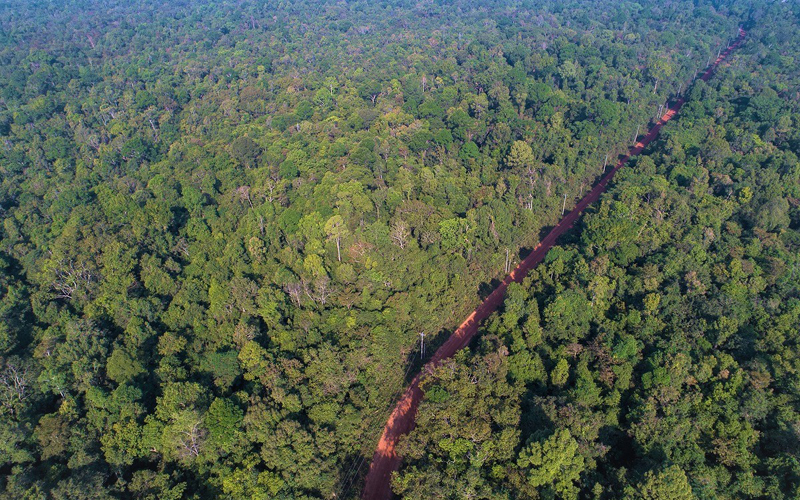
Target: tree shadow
[(486, 288), (535, 422), (356, 474), (572, 235), (180, 217), (543, 232), (622, 452), (413, 365), (741, 103), (22, 315)]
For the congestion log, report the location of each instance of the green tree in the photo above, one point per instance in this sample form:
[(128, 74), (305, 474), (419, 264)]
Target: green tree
[(670, 483), (560, 373), (520, 156), (555, 465), (245, 151), (223, 420)]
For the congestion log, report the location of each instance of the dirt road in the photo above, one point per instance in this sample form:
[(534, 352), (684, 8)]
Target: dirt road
[(401, 421)]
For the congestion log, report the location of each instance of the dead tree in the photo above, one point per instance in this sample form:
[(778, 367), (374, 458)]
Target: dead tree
[(400, 233), (71, 278), (13, 386), (189, 440)]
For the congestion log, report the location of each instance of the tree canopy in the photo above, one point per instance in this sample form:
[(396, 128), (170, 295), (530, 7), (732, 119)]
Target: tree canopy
[(224, 225), (653, 354)]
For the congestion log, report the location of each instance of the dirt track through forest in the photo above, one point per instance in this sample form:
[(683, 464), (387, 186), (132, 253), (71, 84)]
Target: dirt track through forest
[(401, 421)]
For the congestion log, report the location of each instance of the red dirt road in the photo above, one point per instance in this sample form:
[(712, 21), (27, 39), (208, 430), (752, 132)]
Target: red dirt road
[(386, 460)]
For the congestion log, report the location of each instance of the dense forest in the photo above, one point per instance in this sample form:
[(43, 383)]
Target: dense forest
[(656, 353), (225, 224)]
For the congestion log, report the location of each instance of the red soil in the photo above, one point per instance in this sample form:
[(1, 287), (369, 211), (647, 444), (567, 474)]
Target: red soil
[(401, 421)]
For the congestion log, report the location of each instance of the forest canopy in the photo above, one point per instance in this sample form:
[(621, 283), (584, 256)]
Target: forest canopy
[(224, 225)]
